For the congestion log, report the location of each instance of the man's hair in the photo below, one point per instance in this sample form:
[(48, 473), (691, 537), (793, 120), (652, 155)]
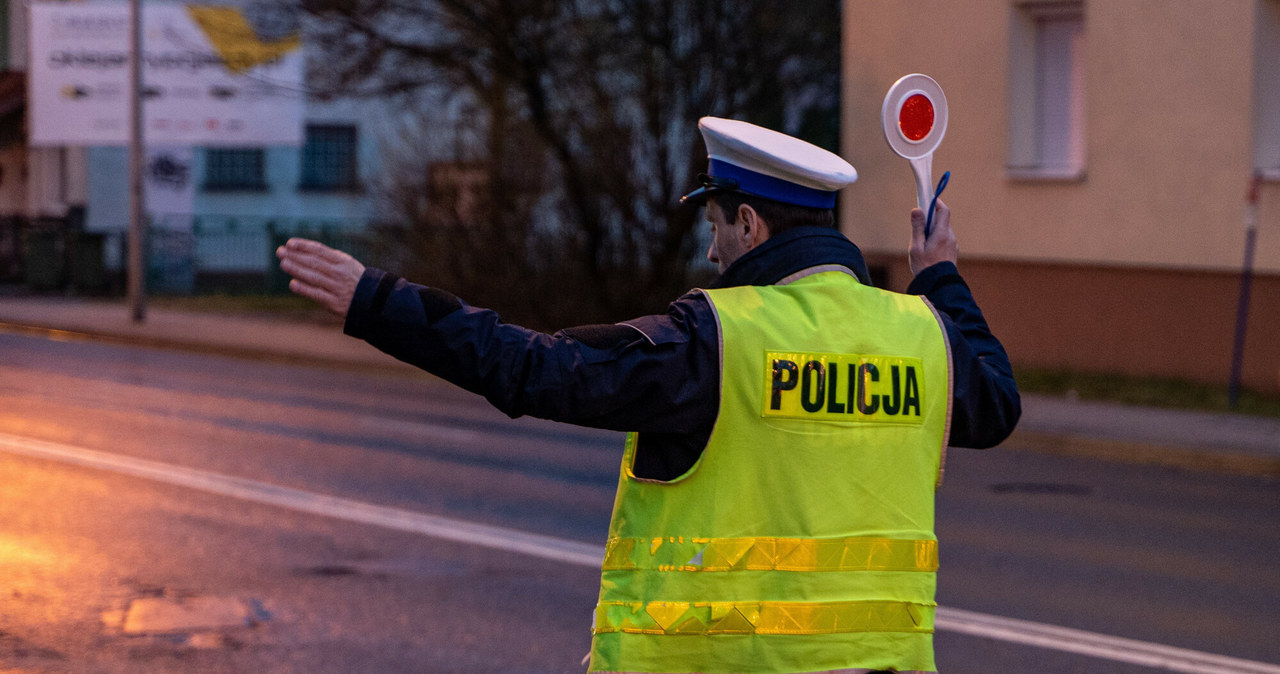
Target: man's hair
[(777, 215)]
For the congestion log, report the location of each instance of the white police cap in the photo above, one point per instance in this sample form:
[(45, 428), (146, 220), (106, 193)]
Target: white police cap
[(754, 160)]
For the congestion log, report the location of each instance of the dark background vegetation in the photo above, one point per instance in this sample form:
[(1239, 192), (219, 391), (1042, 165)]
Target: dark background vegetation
[(575, 131)]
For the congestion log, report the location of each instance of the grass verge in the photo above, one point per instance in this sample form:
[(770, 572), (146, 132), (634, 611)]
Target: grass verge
[(1147, 391)]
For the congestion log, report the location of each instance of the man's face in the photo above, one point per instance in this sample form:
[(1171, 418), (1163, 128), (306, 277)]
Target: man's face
[(727, 243)]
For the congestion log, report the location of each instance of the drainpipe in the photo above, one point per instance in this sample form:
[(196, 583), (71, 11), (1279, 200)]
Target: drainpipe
[(1246, 286)]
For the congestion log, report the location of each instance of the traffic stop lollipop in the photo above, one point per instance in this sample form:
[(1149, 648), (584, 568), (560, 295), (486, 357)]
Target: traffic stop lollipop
[(914, 116)]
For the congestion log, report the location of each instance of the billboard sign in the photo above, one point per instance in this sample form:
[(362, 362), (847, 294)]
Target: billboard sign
[(208, 76)]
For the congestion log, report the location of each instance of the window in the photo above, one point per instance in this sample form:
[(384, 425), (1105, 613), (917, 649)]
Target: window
[(329, 158), (234, 169), (1266, 90), (1046, 102)]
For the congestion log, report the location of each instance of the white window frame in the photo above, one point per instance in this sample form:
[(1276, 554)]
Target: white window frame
[(1047, 91), (1266, 90)]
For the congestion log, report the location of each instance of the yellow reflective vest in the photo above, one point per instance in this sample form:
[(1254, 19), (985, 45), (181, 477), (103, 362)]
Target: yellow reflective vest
[(802, 540)]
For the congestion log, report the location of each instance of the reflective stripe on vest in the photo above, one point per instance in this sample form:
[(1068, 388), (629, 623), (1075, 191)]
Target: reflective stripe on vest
[(771, 554), (762, 617), (802, 539), (860, 670)]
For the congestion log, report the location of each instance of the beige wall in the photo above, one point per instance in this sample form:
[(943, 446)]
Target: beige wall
[(1168, 133), (1132, 268), (1150, 322)]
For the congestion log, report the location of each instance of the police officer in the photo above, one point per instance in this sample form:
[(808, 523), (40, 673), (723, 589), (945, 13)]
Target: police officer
[(787, 425)]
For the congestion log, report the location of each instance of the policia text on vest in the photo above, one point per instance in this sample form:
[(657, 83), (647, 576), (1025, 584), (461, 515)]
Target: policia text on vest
[(843, 387)]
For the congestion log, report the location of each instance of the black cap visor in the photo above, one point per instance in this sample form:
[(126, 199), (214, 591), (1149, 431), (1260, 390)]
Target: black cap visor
[(709, 185)]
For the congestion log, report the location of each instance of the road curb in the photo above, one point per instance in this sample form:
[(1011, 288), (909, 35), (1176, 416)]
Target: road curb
[(392, 366)]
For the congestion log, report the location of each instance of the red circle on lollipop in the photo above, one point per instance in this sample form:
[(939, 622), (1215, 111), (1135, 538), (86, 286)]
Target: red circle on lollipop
[(915, 119), (914, 116)]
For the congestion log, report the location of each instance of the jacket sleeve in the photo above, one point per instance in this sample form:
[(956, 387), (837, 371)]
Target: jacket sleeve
[(654, 373), (985, 404)]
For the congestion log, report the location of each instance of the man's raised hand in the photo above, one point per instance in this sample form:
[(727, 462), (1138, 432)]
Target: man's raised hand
[(939, 247)]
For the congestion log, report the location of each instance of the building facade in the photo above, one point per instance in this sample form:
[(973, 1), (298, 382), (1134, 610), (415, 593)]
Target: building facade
[(1102, 155), (236, 201)]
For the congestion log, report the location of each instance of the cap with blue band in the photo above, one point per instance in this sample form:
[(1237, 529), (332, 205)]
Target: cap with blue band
[(754, 160)]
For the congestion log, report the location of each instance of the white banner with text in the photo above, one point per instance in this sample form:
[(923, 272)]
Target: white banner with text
[(209, 76)]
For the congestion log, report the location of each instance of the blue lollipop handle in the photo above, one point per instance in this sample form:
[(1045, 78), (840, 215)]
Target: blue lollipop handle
[(942, 185)]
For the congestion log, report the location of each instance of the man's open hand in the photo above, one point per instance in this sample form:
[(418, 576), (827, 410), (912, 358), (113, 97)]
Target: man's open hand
[(321, 273)]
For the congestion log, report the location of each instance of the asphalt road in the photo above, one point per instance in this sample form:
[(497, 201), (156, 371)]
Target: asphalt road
[(1151, 554)]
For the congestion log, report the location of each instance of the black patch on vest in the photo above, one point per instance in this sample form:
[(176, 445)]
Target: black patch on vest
[(602, 336), (380, 294), (437, 304)]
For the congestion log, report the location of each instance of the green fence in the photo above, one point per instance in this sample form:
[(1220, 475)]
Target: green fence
[(208, 253)]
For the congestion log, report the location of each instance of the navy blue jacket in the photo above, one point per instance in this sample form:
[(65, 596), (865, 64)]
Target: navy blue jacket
[(660, 375)]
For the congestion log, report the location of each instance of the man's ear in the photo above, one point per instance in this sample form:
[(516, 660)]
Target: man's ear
[(755, 230)]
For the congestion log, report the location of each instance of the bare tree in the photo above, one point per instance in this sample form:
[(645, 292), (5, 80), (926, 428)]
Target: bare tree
[(582, 118)]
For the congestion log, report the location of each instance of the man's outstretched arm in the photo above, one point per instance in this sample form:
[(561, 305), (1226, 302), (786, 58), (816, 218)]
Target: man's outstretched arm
[(650, 373)]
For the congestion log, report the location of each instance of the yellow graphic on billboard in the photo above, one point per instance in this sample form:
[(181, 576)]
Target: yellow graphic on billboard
[(235, 40)]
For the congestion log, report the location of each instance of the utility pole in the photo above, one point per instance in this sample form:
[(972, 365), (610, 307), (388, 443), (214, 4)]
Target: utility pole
[(137, 216)]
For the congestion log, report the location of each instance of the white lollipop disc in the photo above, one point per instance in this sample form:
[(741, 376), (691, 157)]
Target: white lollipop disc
[(914, 116)]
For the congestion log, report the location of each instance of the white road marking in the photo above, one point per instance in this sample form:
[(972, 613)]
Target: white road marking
[(583, 554), (546, 547), (1096, 645)]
